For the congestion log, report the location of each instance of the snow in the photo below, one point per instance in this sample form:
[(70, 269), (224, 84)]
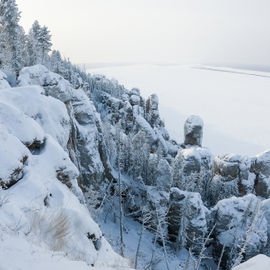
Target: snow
[(197, 211), (22, 126), (130, 236), (42, 222), (263, 160), (12, 152), (55, 85), (232, 211), (259, 262), (29, 256), (233, 104), (145, 126), (49, 113), (33, 257), (3, 80), (192, 122), (197, 152), (135, 100)]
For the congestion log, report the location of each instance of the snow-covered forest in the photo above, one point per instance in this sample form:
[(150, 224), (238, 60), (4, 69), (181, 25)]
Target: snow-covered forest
[(90, 178)]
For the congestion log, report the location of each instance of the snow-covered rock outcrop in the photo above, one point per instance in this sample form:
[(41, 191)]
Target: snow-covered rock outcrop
[(193, 170), (40, 203), (193, 131), (232, 177), (83, 138), (65, 139), (187, 224), (261, 168), (53, 84), (13, 158), (240, 229)]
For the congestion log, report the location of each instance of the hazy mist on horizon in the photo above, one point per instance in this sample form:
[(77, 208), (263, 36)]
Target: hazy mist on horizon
[(224, 32)]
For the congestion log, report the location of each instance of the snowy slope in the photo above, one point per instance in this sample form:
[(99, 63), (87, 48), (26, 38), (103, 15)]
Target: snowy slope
[(259, 262), (233, 103), (43, 223)]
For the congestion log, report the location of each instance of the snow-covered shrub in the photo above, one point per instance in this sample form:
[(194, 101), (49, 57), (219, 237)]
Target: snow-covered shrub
[(53, 228)]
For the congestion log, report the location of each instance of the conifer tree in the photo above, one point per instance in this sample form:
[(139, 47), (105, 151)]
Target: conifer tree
[(39, 44), (45, 43), (12, 37), (32, 44)]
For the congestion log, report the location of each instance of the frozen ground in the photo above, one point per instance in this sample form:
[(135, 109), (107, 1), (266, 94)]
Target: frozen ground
[(234, 104)]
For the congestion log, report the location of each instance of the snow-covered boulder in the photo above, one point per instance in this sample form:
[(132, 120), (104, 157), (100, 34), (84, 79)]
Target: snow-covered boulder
[(144, 126), (186, 219), (48, 112), (233, 177), (227, 166), (164, 175), (261, 167), (13, 158), (152, 110), (134, 100), (26, 129), (54, 85), (3, 80), (262, 163), (135, 91), (240, 229), (193, 169), (193, 130)]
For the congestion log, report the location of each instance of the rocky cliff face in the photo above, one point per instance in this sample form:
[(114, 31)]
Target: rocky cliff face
[(109, 134), (42, 207)]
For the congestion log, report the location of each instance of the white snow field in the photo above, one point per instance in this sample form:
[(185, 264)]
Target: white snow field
[(234, 104)]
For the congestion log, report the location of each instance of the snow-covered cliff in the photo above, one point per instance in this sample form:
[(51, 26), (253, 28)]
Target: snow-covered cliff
[(43, 219), (65, 152)]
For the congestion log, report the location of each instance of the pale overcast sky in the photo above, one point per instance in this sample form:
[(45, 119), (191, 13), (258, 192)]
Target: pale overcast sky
[(183, 31)]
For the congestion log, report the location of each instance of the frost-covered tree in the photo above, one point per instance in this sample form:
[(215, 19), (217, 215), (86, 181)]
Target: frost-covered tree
[(45, 42), (33, 50), (12, 37), (39, 44), (56, 62), (140, 156), (153, 162)]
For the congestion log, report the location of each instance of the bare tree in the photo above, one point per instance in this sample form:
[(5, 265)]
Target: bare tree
[(160, 230), (146, 218), (203, 249), (250, 229), (118, 136), (220, 257)]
